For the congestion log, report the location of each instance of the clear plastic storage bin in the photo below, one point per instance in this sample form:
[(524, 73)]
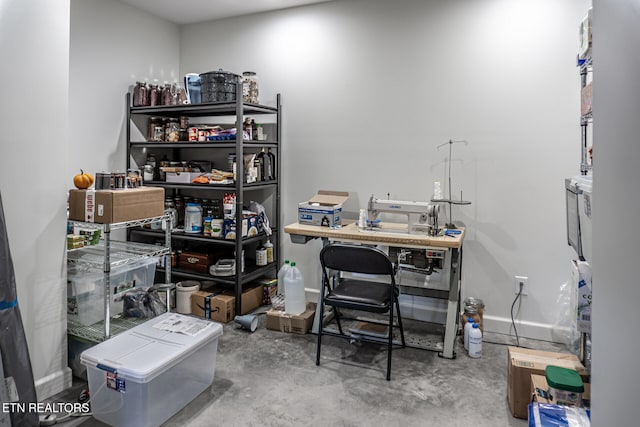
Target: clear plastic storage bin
[(143, 376), (85, 294)]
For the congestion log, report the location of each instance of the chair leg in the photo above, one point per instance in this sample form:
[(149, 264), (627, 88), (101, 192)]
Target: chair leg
[(320, 326), (400, 321), (337, 315), (390, 343)]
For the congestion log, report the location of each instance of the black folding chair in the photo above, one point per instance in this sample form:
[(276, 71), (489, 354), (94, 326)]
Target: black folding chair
[(355, 294)]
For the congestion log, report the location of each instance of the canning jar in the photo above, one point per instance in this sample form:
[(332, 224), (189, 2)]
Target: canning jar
[(250, 87), (170, 208), (167, 94), (154, 128), (140, 94), (172, 130), (154, 95), (475, 305), (178, 201)]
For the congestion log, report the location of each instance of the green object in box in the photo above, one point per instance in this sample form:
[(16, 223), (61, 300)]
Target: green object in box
[(564, 379)]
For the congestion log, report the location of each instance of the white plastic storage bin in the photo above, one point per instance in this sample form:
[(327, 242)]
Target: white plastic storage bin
[(85, 291), (422, 308), (143, 376)]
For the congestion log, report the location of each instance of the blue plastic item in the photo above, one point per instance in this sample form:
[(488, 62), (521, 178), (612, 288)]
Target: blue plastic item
[(549, 415)]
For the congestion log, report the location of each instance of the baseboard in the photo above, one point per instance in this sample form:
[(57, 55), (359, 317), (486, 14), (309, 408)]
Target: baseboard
[(526, 329), (53, 384), (501, 325)]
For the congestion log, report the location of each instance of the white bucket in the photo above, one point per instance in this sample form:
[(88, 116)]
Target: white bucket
[(183, 295)]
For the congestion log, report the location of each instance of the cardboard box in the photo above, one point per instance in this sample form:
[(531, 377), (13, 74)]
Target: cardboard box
[(250, 227), (278, 320), (181, 177), (325, 208), (219, 305), (522, 363), (113, 206), (195, 261), (539, 384)]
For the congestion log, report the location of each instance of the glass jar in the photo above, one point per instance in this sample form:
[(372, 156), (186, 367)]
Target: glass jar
[(178, 201), (172, 130), (140, 94), (154, 95), (167, 94), (475, 307), (170, 208), (250, 87), (156, 129)]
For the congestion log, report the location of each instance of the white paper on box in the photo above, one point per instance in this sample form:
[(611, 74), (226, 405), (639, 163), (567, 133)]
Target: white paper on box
[(183, 325), (89, 205)]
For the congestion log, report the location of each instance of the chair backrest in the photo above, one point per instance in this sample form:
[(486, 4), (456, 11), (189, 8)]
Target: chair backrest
[(355, 259)]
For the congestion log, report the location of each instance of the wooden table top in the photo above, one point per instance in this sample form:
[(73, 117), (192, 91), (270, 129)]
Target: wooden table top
[(387, 234)]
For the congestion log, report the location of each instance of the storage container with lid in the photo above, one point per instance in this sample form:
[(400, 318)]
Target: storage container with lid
[(143, 376), (219, 86), (565, 385)]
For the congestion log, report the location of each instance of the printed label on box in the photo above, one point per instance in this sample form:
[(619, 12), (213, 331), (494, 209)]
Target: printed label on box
[(115, 383)]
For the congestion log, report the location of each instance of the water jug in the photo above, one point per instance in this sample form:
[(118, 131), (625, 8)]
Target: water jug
[(294, 300), (283, 271)]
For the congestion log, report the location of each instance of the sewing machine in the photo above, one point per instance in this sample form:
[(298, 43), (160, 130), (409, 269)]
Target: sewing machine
[(422, 217)]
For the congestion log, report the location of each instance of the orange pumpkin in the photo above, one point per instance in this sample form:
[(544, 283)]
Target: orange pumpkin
[(83, 180)]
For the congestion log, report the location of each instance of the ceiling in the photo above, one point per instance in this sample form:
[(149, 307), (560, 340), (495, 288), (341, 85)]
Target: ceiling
[(191, 11)]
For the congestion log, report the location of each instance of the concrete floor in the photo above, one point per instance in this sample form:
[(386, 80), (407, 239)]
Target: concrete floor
[(269, 378)]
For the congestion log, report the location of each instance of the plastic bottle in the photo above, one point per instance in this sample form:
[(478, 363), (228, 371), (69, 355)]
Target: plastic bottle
[(475, 341), (294, 301), (283, 271), (269, 247), (362, 219), (272, 164), (193, 218), (467, 328)]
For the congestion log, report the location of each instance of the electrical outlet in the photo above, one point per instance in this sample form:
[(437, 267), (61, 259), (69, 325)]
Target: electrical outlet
[(524, 280)]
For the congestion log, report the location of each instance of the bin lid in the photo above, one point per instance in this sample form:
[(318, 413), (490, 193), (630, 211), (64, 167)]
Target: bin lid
[(564, 379), (149, 349)]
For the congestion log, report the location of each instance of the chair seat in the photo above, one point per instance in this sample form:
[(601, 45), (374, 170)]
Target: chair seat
[(360, 295)]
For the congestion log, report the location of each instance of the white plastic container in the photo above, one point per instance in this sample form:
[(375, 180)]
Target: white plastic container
[(193, 218), (145, 375), (475, 342), (467, 328), (295, 301), (184, 290), (283, 271)]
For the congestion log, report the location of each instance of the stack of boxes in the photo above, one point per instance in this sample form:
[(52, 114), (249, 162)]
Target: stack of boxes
[(541, 381)]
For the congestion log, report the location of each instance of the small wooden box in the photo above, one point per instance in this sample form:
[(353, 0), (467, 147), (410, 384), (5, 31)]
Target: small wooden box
[(195, 261)]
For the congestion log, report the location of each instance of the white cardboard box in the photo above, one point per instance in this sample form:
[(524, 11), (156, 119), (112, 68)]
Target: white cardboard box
[(145, 375), (181, 177), (325, 208)]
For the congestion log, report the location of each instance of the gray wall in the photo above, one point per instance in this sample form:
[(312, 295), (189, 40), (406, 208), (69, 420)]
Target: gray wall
[(371, 88), (616, 175)]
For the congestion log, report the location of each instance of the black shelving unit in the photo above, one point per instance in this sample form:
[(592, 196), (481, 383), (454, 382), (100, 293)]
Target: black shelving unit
[(239, 110)]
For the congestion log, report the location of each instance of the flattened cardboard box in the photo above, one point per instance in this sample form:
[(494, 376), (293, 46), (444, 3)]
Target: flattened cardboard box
[(113, 206), (278, 320), (220, 305), (522, 363)]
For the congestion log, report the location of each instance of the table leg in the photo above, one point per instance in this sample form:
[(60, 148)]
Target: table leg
[(451, 327)]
